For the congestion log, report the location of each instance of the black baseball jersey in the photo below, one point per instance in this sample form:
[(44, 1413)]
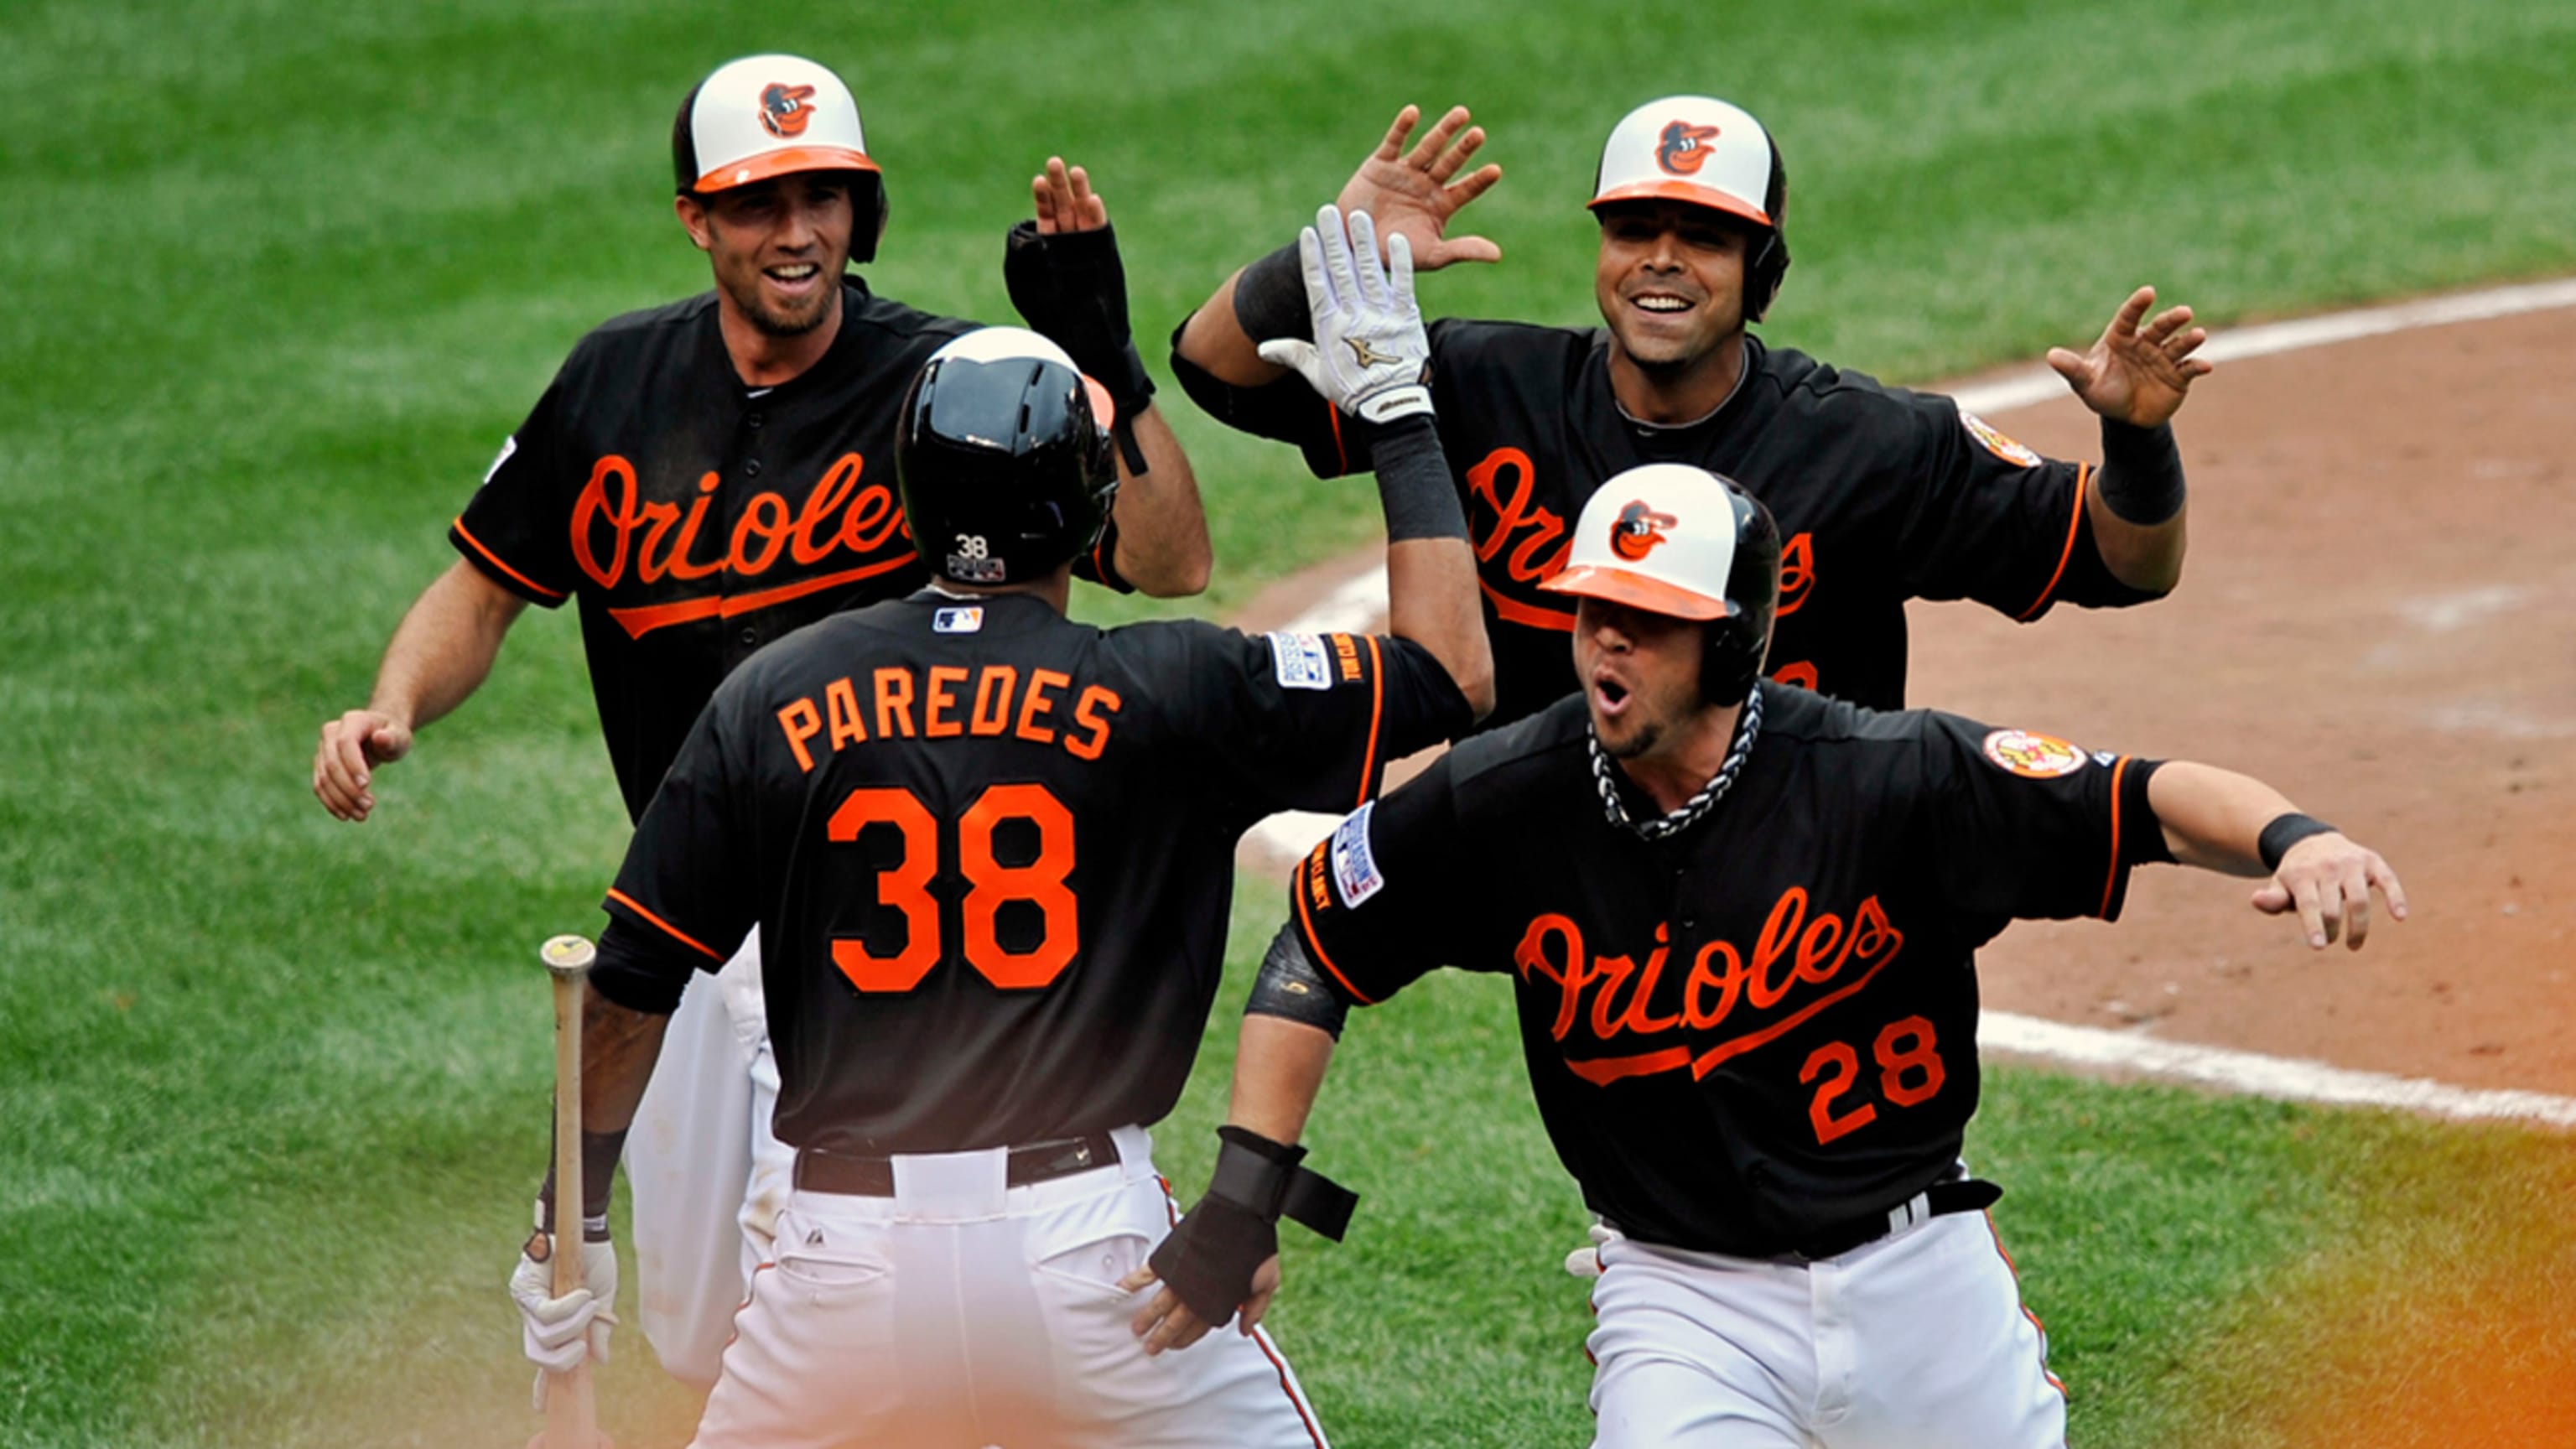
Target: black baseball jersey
[(1765, 1024), (1881, 495), (991, 852), (699, 519)]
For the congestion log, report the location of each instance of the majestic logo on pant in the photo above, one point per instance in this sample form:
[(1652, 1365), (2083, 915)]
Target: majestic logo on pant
[(613, 526), (783, 112), (1726, 1005), (1679, 150), (1637, 530)]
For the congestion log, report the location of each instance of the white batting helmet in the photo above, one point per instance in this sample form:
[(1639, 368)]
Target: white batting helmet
[(1672, 539), (1704, 152), (764, 116)]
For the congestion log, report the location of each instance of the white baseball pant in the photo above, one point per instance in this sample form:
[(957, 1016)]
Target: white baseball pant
[(706, 1176), (962, 1312), (1916, 1341)]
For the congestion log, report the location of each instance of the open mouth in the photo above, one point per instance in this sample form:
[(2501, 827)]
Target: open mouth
[(794, 277), (1664, 302), (1609, 696)]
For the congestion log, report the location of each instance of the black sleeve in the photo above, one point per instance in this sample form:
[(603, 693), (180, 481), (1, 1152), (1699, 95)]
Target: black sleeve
[(1308, 721), (517, 528), (1285, 411), (1989, 519), (683, 900), (2030, 826), (1378, 902)]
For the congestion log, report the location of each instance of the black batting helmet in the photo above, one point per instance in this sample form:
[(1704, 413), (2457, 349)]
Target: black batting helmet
[(1003, 458), (1672, 539), (1705, 152)]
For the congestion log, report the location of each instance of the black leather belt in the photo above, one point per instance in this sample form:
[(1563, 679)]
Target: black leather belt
[(1959, 1195), (818, 1170)]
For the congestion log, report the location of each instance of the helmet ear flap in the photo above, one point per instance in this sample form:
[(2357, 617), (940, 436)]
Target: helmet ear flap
[(1770, 263), (869, 210)]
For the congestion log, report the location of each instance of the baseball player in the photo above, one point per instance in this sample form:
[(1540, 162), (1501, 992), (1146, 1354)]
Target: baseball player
[(1739, 919), (989, 851), (712, 475), (1882, 494)]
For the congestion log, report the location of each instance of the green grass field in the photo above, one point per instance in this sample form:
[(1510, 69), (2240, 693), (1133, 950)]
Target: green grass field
[(281, 277)]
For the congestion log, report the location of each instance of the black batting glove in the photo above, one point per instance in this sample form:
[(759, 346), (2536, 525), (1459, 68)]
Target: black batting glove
[(1071, 288)]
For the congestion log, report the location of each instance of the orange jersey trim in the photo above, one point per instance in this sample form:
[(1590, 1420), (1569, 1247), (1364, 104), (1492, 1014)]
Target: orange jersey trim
[(1340, 449), (2066, 555), (2014, 1268), (1315, 944), (496, 561), (683, 937), (1530, 614), (1313, 1434), (2111, 881), (1377, 713), (639, 622)]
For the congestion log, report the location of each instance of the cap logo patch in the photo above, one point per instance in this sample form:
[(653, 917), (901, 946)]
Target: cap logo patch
[(783, 112), (1637, 529), (1680, 151), (2034, 757)]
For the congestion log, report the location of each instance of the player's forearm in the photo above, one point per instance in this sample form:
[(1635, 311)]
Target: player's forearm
[(2136, 506), (1279, 1069), (1214, 339), (1430, 574), (618, 1048), (1162, 525), (444, 647), (2214, 818)]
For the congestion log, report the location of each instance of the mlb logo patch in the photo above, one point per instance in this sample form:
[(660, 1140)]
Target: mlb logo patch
[(1302, 660), (967, 620), (1355, 875)]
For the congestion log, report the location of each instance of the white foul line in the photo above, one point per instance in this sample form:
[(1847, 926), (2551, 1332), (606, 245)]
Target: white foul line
[(2281, 1078), (1361, 602)]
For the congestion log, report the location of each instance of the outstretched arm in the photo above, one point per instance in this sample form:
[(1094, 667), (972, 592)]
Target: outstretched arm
[(439, 655), (1067, 280), (2136, 377), (1413, 194), (2234, 824)]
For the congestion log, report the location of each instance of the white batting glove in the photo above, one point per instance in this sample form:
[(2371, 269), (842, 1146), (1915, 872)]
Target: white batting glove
[(1370, 357), (558, 1334), (1585, 1262)]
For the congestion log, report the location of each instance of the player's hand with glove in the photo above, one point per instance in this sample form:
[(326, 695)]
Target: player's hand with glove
[(1370, 357), (559, 1334), (1067, 281), (1222, 1260)]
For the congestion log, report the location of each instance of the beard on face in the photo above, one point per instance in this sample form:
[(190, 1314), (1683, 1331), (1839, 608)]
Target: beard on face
[(770, 322)]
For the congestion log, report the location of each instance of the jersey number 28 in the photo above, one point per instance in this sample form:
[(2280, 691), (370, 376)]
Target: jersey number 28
[(905, 887)]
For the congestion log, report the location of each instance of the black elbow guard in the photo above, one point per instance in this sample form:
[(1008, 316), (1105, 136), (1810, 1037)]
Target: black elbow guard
[(1289, 986)]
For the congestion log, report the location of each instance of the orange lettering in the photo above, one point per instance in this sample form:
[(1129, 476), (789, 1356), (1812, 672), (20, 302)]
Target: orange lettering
[(831, 493), (1569, 975), (801, 724), (993, 687), (894, 702), (1802, 674), (763, 519), (675, 562), (1035, 703), (1797, 575), (1729, 984), (1087, 714), (1777, 932), (841, 703), (1635, 1018), (872, 519), (1818, 944), (939, 699), (621, 517)]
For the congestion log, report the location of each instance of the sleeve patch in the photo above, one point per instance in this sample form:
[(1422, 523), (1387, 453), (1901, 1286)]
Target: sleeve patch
[(1355, 876), (1302, 660), (1996, 443), (509, 446), (2033, 757)]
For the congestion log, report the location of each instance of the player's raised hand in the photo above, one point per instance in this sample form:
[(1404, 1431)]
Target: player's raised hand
[(1414, 193), (344, 766), (1370, 353), (2138, 371), (2328, 879), (1065, 200)]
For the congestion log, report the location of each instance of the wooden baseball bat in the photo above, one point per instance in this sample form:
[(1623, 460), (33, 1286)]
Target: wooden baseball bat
[(572, 1413)]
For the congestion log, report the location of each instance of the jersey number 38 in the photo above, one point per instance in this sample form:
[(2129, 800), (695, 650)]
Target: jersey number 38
[(904, 887)]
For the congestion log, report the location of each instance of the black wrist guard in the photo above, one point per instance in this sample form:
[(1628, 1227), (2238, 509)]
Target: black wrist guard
[(2141, 477), (1413, 482), (1270, 298), (599, 1154), (1071, 287), (2284, 832), (1210, 1258)]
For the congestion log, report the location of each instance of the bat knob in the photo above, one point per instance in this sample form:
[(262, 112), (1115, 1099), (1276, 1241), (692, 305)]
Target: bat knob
[(564, 955)]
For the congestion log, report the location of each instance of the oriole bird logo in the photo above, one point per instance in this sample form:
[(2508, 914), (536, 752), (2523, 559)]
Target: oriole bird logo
[(783, 112), (1680, 151), (1637, 530)]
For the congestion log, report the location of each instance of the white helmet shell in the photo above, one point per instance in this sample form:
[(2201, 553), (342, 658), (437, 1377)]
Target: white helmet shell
[(1659, 538), (770, 115), (1693, 149)]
